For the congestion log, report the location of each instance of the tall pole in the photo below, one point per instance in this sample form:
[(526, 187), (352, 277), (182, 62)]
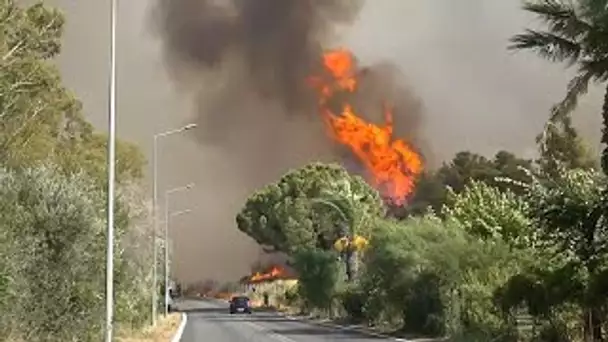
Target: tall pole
[(166, 245), (155, 214), (154, 230), (167, 266), (111, 176)]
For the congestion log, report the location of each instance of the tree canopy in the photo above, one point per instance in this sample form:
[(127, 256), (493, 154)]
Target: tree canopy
[(464, 168), (52, 200), (282, 215), (486, 212), (41, 120)]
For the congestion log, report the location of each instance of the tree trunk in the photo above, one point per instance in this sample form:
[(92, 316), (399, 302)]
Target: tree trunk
[(351, 263), (604, 139), (593, 314), (596, 324)]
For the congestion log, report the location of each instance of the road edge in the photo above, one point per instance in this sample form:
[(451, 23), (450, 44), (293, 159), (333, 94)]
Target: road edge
[(359, 330), (180, 330)]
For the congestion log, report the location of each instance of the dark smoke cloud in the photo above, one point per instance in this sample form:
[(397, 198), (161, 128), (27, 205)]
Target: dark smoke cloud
[(247, 62), (278, 41)]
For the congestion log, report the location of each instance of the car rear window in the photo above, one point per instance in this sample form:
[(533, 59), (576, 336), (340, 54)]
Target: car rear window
[(240, 300)]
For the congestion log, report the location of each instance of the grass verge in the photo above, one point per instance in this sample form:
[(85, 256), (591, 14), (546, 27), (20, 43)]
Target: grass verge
[(163, 332)]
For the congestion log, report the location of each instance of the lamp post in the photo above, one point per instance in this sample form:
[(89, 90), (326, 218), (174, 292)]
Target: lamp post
[(111, 175), (154, 211), (166, 223), (176, 213), (167, 216)]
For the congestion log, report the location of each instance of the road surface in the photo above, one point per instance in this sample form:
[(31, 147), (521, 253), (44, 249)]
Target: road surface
[(211, 322)]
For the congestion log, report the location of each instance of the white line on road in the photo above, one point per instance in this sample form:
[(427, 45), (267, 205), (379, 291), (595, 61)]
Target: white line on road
[(345, 328), (180, 330), (270, 334)]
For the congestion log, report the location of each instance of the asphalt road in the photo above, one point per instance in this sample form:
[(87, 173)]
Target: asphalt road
[(211, 322)]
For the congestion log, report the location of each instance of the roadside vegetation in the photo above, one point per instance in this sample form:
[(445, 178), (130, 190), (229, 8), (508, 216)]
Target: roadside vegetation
[(513, 251), (53, 198), (487, 249)]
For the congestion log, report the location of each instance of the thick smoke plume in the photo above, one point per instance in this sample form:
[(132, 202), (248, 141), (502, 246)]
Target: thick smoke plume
[(247, 61), (278, 42)]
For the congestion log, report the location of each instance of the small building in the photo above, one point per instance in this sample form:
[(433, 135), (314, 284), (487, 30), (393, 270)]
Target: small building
[(273, 281)]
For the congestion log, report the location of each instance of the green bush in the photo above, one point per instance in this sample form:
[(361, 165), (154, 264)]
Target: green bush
[(53, 249), (435, 277), (353, 300), (56, 240), (319, 275), (291, 296)]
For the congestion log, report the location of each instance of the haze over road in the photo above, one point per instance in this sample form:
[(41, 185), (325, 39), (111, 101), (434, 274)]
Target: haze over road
[(211, 321)]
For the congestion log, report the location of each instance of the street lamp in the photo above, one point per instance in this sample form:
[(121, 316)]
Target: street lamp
[(154, 210), (111, 175), (166, 223), (167, 216), (176, 213)]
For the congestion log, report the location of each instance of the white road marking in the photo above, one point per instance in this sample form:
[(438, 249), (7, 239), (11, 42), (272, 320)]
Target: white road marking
[(180, 330), (270, 334), (344, 328)]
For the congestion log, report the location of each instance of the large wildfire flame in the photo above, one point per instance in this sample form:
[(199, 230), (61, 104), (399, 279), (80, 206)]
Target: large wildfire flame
[(392, 164)]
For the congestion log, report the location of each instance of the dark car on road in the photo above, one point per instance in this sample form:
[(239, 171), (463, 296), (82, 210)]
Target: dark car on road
[(240, 304)]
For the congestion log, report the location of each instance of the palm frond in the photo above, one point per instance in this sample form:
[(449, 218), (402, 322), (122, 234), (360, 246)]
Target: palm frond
[(595, 11), (338, 206), (578, 86), (561, 17), (548, 45), (597, 68)]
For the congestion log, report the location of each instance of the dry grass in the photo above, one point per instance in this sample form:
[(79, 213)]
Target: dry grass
[(163, 332)]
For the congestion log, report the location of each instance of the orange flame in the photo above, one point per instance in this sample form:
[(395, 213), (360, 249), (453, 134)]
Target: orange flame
[(272, 274), (393, 165)]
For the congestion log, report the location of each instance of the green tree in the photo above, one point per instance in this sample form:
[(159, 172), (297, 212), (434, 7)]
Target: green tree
[(52, 247), (318, 276), (488, 213), (41, 120), (354, 219), (576, 34), (437, 278), (571, 213), (282, 217), (52, 231), (406, 277), (561, 148), (55, 253), (464, 168)]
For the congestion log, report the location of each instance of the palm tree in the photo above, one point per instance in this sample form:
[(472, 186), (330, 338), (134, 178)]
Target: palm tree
[(352, 218), (577, 34)]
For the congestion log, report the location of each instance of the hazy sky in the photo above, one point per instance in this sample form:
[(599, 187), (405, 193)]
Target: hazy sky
[(476, 96)]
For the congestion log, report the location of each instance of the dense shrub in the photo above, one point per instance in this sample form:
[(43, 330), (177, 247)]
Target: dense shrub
[(353, 300), (435, 277), (319, 272), (53, 258)]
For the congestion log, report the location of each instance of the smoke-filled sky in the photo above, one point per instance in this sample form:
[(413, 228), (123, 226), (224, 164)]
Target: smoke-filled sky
[(451, 54)]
